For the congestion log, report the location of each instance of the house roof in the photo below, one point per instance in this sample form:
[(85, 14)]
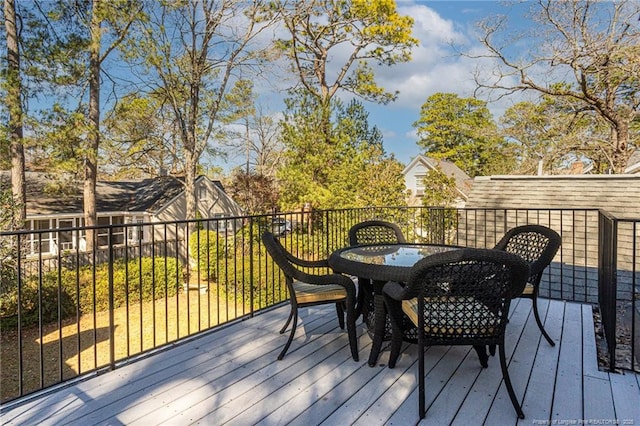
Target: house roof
[(633, 164), (53, 194), (463, 181), (618, 194)]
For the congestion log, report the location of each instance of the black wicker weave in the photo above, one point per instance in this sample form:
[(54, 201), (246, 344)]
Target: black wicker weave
[(375, 232), (537, 245), (307, 289), (460, 297)]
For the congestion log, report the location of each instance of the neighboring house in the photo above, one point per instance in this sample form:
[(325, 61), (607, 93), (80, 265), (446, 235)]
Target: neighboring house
[(420, 166), (633, 165), (577, 168), (53, 205)]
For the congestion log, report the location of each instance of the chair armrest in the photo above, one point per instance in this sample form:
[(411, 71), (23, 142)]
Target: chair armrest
[(538, 266), (327, 279), (323, 263)]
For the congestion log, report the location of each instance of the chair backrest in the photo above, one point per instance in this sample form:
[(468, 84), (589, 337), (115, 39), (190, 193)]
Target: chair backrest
[(468, 271), (536, 244), (375, 231), (467, 292), (280, 255)]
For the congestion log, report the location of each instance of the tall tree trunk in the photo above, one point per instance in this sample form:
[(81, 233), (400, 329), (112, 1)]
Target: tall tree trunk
[(325, 104), (14, 103), (619, 141), (93, 136), (191, 162)]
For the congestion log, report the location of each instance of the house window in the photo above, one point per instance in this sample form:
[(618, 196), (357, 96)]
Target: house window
[(103, 231), (65, 238), (420, 184), (40, 242), (118, 231), (221, 226), (136, 233), (202, 192)]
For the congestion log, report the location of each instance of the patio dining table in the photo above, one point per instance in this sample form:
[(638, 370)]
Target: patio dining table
[(382, 263)]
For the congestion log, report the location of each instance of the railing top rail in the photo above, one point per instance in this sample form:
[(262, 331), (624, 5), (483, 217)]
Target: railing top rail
[(292, 213), (464, 208)]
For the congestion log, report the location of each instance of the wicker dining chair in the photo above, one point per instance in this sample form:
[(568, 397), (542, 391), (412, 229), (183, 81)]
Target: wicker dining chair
[(372, 232), (537, 245), (375, 232), (308, 289), (459, 297)]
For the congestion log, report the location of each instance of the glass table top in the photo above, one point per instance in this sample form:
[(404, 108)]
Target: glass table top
[(393, 255)]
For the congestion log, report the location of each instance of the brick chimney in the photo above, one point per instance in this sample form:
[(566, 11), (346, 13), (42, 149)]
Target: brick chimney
[(577, 168)]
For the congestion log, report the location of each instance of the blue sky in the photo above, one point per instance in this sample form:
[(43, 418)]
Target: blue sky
[(435, 66)]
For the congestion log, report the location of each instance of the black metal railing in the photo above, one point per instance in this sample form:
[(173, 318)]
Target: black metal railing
[(607, 281), (80, 300), (619, 290)]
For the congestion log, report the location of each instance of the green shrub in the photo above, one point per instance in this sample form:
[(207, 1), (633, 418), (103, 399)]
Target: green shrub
[(142, 279), (56, 303), (206, 249)]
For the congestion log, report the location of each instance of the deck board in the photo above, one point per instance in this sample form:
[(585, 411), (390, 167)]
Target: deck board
[(231, 376), (538, 398), (568, 403), (625, 389)]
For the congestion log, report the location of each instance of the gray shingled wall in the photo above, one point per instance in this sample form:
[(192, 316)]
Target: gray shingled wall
[(564, 203), (618, 194)]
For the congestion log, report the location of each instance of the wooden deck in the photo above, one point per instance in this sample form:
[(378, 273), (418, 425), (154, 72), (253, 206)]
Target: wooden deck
[(231, 376)]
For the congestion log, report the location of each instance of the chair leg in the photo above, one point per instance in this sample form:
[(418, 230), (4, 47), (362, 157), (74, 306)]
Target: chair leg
[(363, 284), (340, 312), (481, 350), (351, 332), (539, 322), (422, 410), (507, 381), (286, 324), (294, 313), (492, 350)]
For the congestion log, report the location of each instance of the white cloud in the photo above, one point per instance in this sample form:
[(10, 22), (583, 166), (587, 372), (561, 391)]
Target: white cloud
[(434, 67), (388, 133), (431, 28), (411, 135)]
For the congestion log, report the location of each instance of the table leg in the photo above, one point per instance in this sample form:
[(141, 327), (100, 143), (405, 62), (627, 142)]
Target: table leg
[(380, 319), (364, 290)]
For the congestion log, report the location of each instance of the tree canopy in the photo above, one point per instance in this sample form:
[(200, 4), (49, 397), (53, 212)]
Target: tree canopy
[(332, 45), (191, 53), (462, 130), (349, 170), (592, 47), (553, 133), (180, 82)]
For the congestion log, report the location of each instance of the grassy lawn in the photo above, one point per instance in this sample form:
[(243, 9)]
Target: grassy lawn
[(82, 345)]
